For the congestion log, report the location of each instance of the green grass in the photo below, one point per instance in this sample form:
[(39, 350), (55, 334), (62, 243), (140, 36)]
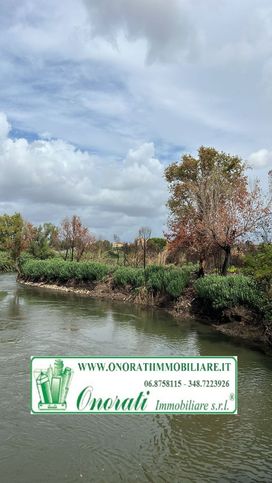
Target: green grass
[(157, 279), (213, 291)]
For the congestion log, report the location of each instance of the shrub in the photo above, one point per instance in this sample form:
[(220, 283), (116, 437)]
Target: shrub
[(159, 279), (176, 280), (259, 265), (24, 257), (232, 269), (92, 271), (6, 262), (155, 277), (63, 271), (168, 280), (128, 276), (224, 292)]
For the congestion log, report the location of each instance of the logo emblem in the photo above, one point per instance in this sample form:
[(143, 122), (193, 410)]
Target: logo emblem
[(53, 386)]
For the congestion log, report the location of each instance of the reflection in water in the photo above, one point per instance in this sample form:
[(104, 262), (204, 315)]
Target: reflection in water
[(122, 448)]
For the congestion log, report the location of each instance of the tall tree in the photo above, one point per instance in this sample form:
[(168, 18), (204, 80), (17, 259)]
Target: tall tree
[(15, 234), (210, 204), (264, 228), (75, 237), (44, 240), (66, 235), (51, 232), (235, 212)]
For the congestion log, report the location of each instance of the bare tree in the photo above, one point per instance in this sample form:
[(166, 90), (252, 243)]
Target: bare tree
[(144, 235)]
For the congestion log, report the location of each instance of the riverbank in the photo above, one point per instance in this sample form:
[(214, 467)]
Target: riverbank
[(40, 321), (237, 323)]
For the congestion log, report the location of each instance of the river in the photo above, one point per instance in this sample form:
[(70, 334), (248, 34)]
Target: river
[(122, 448)]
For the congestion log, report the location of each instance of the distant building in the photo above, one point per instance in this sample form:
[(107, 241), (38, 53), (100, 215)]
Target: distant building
[(117, 245)]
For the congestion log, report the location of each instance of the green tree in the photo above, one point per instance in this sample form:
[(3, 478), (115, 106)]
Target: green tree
[(44, 241), (156, 245), (259, 265), (14, 234)]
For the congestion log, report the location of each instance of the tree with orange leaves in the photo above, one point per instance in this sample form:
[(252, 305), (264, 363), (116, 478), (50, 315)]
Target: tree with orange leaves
[(75, 237), (210, 204), (234, 212)]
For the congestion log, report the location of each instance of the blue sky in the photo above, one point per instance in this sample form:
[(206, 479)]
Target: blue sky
[(98, 96)]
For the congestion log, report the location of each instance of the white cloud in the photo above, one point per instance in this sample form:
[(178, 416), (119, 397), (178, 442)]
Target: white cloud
[(136, 186), (261, 159), (83, 89), (4, 126), (88, 84), (50, 179)]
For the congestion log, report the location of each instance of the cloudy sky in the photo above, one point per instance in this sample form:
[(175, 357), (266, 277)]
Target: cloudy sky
[(98, 96)]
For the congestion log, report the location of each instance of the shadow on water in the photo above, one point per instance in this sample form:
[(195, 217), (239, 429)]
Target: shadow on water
[(122, 448)]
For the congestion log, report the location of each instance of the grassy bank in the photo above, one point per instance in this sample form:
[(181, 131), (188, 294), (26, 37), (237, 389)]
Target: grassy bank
[(157, 280), (239, 305), (236, 303), (219, 293)]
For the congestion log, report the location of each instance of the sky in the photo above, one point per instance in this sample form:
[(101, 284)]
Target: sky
[(97, 97)]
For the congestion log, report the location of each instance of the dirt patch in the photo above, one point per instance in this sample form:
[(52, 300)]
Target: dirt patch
[(251, 336), (101, 290)]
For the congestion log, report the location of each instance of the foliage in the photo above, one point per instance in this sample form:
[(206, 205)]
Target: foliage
[(6, 262), (232, 269), (156, 244), (158, 279), (211, 205), (225, 292), (14, 234), (264, 227), (259, 265), (43, 241), (128, 276), (168, 280), (25, 256), (57, 270), (75, 238)]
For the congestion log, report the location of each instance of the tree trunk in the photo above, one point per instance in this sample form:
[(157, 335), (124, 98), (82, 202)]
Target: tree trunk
[(144, 254), (226, 262), (201, 270), (79, 254)]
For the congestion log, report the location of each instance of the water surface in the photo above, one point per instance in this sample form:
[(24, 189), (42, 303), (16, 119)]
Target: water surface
[(122, 448)]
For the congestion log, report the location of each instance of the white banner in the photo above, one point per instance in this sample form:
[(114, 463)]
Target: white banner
[(199, 385)]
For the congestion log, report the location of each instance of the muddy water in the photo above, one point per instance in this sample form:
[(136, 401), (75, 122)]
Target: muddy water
[(122, 448)]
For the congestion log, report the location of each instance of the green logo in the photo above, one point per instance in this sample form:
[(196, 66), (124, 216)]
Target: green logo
[(53, 385)]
